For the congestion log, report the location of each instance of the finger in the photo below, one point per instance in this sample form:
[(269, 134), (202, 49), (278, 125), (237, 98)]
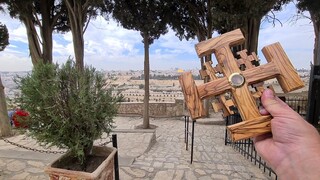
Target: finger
[(272, 104)]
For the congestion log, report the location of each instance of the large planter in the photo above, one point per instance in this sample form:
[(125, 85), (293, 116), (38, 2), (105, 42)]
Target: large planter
[(104, 172)]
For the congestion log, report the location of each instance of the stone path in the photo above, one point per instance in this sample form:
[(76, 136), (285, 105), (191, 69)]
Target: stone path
[(144, 154), (168, 158)]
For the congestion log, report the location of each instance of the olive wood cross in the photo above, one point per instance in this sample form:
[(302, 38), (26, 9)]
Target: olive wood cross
[(220, 103), (237, 82), (223, 102)]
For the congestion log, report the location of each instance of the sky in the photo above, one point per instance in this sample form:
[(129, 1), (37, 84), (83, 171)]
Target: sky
[(108, 46)]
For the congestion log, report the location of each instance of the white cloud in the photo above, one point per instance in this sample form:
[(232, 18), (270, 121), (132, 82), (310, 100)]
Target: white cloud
[(19, 34), (109, 46), (296, 37), (172, 44), (15, 62)]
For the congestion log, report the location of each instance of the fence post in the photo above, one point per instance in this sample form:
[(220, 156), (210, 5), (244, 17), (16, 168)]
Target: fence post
[(116, 163), (313, 112)]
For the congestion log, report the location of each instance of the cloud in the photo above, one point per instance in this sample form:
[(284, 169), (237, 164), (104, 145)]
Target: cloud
[(296, 37), (109, 46), (171, 44), (15, 61)]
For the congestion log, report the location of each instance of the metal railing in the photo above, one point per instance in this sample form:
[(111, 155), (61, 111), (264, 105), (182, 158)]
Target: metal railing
[(188, 133), (116, 157), (246, 147), (297, 103)]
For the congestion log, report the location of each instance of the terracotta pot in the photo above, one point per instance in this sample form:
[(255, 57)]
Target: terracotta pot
[(104, 172)]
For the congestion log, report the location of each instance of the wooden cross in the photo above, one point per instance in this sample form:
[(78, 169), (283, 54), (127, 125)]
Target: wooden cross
[(220, 103), (237, 82)]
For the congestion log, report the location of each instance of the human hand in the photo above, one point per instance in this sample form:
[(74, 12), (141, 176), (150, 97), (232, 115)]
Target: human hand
[(293, 148)]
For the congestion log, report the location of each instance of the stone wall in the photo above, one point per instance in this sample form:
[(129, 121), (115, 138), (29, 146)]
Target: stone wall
[(159, 109)]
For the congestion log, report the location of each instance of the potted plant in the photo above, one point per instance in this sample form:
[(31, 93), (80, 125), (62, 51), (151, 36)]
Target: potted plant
[(69, 108)]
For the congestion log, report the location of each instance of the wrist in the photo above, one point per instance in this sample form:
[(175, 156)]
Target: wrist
[(300, 165)]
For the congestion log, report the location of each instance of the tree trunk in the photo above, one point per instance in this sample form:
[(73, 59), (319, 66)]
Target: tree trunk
[(46, 26), (146, 123), (5, 128), (46, 30), (316, 60), (202, 36), (87, 152), (208, 58), (34, 46), (78, 45), (316, 26), (251, 33), (76, 20)]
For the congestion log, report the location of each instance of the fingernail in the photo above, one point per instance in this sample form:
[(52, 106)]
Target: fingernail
[(268, 93), (262, 110)]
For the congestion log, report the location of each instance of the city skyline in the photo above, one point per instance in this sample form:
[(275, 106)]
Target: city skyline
[(108, 46)]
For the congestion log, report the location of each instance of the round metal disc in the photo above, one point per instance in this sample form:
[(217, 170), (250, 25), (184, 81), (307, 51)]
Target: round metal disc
[(236, 79)]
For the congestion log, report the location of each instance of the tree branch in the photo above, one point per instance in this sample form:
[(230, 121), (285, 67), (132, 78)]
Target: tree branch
[(36, 17), (86, 5), (87, 24), (70, 8), (55, 19), (272, 19)]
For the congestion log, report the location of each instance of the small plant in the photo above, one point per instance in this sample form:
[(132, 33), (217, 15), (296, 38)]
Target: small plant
[(68, 108), (141, 86)]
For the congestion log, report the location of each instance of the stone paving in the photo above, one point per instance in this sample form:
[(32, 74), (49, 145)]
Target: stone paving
[(168, 159), (144, 154)]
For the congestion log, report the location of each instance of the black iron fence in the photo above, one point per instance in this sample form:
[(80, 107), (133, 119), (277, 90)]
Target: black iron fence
[(188, 133), (297, 103), (313, 115), (246, 147)]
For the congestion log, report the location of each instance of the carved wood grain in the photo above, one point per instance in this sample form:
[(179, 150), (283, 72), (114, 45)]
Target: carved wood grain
[(278, 67), (261, 73), (227, 61), (245, 102), (289, 79), (252, 128), (213, 88), (221, 105), (210, 71), (242, 96), (209, 46), (191, 96), (245, 59)]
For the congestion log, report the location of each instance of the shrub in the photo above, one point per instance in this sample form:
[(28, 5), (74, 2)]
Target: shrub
[(68, 108)]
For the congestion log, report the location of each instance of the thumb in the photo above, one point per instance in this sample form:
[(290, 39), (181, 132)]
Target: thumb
[(272, 104)]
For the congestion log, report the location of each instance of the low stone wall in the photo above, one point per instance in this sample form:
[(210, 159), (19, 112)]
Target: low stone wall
[(157, 109)]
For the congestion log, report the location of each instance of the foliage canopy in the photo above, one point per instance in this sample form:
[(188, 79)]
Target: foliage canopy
[(68, 108), (4, 36), (148, 17)]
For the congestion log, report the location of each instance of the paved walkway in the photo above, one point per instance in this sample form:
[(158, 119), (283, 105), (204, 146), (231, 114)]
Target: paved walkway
[(147, 155)]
